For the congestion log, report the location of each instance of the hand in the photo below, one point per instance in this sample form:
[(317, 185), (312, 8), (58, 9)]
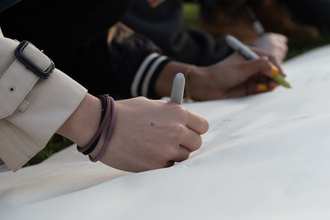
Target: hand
[(234, 77), (229, 78), (151, 134), (274, 43)]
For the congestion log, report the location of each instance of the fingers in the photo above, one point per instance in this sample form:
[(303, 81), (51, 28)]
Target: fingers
[(169, 163), (182, 154), (261, 87), (273, 68), (188, 136), (192, 141), (283, 40), (265, 87), (276, 36), (262, 65), (188, 133), (258, 66), (281, 48), (197, 123), (258, 83), (266, 55), (192, 120), (275, 62)]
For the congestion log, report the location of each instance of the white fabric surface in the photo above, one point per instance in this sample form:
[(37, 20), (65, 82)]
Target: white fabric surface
[(265, 157)]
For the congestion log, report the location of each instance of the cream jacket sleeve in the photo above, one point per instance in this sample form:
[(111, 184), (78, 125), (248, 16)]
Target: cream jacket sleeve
[(31, 109)]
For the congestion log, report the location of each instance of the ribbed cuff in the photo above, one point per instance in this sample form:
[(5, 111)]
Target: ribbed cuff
[(144, 81)]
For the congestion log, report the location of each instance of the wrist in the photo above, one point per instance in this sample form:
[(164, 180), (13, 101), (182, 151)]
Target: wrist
[(198, 83), (84, 121), (104, 133)]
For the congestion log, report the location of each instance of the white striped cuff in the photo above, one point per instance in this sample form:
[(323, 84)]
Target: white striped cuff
[(144, 74)]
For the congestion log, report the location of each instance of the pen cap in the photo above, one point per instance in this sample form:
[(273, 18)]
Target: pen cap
[(178, 88)]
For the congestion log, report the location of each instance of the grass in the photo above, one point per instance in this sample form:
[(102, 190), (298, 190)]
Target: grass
[(56, 143), (301, 45), (191, 11)]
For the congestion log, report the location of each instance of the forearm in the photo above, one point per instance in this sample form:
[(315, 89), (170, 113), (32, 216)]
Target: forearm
[(84, 122)]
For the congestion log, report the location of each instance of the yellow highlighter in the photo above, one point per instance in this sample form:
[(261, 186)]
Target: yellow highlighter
[(250, 55)]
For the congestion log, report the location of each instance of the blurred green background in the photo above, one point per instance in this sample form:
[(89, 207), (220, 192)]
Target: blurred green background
[(191, 11)]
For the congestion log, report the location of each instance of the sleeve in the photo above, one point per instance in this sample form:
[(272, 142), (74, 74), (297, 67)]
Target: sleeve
[(32, 109), (120, 62), (137, 62)]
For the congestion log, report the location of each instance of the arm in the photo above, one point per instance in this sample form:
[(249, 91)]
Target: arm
[(167, 132), (35, 108), (232, 77)]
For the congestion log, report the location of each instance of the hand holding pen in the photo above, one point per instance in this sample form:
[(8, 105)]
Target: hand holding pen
[(248, 54), (152, 134), (232, 77)]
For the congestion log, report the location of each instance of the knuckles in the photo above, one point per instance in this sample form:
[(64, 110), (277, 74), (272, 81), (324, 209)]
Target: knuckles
[(176, 133), (179, 111)]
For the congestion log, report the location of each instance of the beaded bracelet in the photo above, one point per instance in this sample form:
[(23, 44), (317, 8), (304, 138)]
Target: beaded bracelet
[(109, 132), (98, 132)]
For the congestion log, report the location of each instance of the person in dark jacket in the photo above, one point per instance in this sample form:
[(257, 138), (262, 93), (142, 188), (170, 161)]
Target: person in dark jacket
[(164, 25), (77, 34)]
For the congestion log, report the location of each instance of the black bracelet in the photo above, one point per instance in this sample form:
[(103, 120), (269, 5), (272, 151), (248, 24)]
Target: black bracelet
[(104, 107)]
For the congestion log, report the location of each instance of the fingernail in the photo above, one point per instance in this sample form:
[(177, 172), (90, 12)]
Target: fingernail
[(261, 88), (274, 70)]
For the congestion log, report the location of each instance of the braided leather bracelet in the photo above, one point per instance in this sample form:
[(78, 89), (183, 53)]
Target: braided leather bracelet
[(109, 132)]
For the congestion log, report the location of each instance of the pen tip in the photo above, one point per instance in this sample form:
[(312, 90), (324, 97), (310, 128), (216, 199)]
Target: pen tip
[(287, 85)]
